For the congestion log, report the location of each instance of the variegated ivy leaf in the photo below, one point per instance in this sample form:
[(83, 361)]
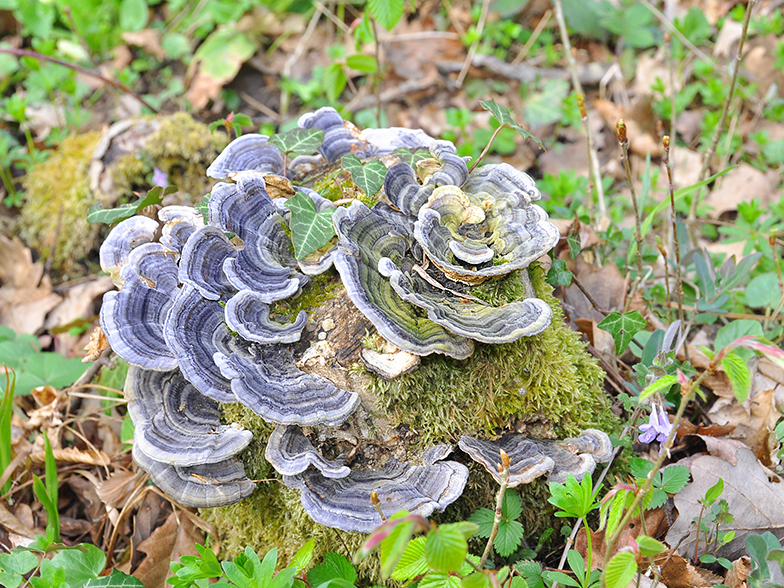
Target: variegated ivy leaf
[(369, 177), (411, 157), (112, 215), (300, 141), (310, 229), (502, 114), (623, 327)]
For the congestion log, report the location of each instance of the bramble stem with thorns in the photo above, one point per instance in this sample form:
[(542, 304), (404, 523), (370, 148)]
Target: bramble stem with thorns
[(720, 127)]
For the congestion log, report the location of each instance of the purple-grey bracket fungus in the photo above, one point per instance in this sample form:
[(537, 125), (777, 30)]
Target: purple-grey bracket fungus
[(179, 222), (133, 318), (345, 503), (266, 379), (125, 237), (176, 424), (247, 153), (200, 486), (364, 239), (290, 452), (532, 458), (201, 262), (249, 316)]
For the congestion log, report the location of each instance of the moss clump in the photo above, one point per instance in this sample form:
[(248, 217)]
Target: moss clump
[(319, 289), (57, 192), (549, 375), (181, 147)]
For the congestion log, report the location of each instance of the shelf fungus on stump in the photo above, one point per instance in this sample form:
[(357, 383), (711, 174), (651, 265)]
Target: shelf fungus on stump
[(212, 310)]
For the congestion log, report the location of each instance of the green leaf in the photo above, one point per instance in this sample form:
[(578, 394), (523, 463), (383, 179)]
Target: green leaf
[(623, 327), (302, 558), (518, 582), (48, 369), (475, 580), (574, 499), (446, 548), (512, 506), (301, 141), (735, 330), (558, 274), (509, 537), (556, 576), (237, 574), (223, 53), (544, 108), (204, 207), (657, 386), (483, 518), (531, 571), (620, 570), (310, 230), (503, 116), (738, 372), (332, 566), (649, 546), (393, 546), (363, 63), (413, 562), (575, 246), (409, 157), (439, 580), (84, 562), (386, 12), (674, 478), (116, 579), (713, 493), (334, 81), (133, 15), (18, 562), (369, 177), (111, 215), (763, 291)]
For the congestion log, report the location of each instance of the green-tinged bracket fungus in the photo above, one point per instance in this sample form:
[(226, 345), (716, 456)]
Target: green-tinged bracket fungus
[(435, 289)]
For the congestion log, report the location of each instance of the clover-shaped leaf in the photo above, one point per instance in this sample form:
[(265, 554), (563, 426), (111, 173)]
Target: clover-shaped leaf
[(369, 177), (310, 229), (502, 114), (301, 141), (623, 327)]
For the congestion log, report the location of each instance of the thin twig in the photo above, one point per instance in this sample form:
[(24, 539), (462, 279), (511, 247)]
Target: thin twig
[(587, 294), (378, 74), (720, 126), (480, 26), (624, 141), (674, 221), (487, 148), (80, 69), (503, 471), (593, 158), (543, 22)]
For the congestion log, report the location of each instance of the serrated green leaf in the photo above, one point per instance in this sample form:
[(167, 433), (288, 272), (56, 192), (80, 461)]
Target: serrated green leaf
[(439, 580), (616, 512), (483, 518), (332, 566), (300, 141), (475, 580), (413, 562), (503, 116), (445, 548), (623, 327), (620, 570), (738, 372), (334, 81), (512, 506), (510, 534), (654, 499), (558, 274), (393, 546), (674, 478), (657, 386), (531, 571), (303, 556), (386, 12), (363, 63), (310, 230), (518, 582), (116, 579), (649, 546), (369, 177), (409, 157)]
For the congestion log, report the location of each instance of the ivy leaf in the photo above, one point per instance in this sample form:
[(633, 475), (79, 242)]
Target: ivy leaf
[(332, 567), (502, 114), (558, 274), (83, 563), (310, 229), (410, 157), (446, 548), (623, 327), (204, 207), (620, 570), (386, 12), (301, 141), (369, 177), (737, 371), (112, 215), (575, 246), (116, 579), (510, 534)]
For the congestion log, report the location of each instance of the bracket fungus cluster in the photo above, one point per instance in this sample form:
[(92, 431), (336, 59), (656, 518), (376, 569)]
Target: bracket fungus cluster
[(196, 315)]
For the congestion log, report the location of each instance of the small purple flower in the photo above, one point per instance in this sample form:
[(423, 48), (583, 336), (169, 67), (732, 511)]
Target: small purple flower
[(159, 178), (657, 428)]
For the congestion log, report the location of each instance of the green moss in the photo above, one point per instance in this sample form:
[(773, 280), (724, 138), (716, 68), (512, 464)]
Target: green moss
[(500, 291), (319, 289), (549, 376), (57, 192)]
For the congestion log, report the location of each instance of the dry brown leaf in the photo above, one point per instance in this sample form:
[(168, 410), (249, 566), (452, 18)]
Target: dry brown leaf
[(727, 38), (737, 184), (98, 342), (117, 488), (722, 447), (24, 303), (679, 573), (80, 302), (13, 525), (755, 502), (736, 577), (175, 538), (72, 455), (278, 187), (147, 39), (606, 286)]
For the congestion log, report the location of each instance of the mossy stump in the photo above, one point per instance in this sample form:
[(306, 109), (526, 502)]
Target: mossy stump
[(542, 386)]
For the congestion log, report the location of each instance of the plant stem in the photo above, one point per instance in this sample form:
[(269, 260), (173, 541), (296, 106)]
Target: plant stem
[(697, 542), (687, 397), (720, 127), (593, 158), (624, 141), (80, 69), (503, 469), (487, 147), (676, 246), (378, 75)]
